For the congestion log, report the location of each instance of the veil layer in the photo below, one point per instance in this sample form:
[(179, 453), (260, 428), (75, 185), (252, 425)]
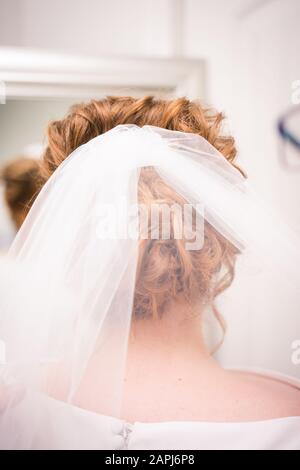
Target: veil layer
[(78, 251)]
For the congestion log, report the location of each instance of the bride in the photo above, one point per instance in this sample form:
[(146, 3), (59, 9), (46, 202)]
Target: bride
[(110, 350)]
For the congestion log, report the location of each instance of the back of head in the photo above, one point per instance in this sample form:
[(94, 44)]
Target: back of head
[(166, 271), (21, 183), (86, 121)]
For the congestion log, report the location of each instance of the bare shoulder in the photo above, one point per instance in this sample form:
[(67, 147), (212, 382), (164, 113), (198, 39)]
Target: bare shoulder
[(268, 397)]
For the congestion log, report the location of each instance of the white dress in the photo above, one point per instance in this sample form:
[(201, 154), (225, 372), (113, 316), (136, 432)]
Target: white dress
[(66, 427)]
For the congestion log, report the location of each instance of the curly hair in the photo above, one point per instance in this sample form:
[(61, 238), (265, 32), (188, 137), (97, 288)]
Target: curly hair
[(21, 186), (166, 270)]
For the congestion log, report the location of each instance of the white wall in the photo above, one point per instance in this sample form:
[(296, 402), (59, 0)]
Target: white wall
[(23, 123), (269, 61), (253, 60), (252, 63), (132, 27), (11, 22)]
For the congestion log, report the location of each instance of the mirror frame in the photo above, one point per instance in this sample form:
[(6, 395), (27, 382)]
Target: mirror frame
[(26, 73)]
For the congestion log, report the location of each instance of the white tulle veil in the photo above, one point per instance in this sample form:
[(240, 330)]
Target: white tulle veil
[(79, 262)]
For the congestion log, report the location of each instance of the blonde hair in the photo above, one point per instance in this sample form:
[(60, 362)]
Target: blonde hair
[(166, 270)]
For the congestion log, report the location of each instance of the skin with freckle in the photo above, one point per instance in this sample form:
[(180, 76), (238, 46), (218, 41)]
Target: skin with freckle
[(192, 385)]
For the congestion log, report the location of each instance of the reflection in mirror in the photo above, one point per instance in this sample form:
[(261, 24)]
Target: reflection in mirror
[(39, 87), (22, 137), (23, 122)]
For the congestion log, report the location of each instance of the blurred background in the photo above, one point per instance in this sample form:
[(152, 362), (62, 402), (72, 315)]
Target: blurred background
[(240, 56)]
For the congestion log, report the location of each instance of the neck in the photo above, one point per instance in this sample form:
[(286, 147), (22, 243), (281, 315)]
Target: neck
[(173, 343), (168, 367)]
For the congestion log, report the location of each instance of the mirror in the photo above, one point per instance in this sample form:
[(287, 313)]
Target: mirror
[(37, 87)]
